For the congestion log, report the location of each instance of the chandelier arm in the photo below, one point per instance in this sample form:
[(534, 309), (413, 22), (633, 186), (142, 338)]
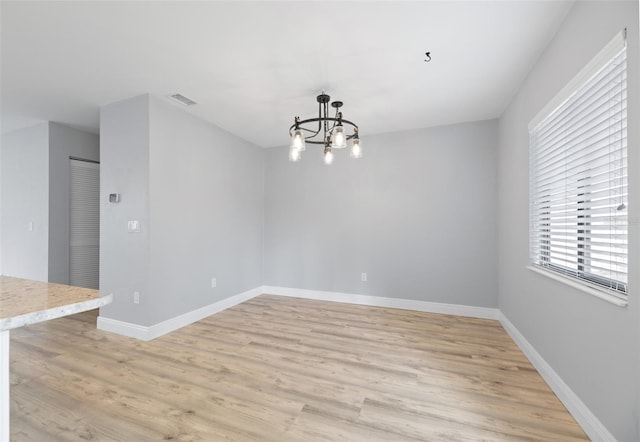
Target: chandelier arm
[(313, 120), (319, 115), (321, 120), (326, 125), (337, 118), (311, 130)]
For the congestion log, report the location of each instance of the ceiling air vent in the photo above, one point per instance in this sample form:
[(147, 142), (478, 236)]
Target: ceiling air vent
[(183, 100)]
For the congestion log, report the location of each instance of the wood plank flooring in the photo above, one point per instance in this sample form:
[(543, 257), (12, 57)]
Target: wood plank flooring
[(283, 369)]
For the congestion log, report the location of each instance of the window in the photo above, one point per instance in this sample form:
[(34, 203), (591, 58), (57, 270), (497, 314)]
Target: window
[(578, 177)]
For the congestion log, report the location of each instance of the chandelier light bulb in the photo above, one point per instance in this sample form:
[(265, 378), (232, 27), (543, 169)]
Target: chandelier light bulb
[(338, 139), (356, 149), (294, 155), (297, 140), (328, 156)]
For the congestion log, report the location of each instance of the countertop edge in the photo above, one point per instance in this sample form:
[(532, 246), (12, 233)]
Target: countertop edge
[(54, 313)]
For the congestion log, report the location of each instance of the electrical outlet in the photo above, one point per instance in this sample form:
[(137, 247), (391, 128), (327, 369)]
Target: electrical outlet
[(363, 277), (214, 283), (136, 297)]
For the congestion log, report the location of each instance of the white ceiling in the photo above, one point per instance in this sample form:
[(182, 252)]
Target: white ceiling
[(253, 66)]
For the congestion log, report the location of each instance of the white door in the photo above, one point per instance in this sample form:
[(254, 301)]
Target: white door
[(84, 224)]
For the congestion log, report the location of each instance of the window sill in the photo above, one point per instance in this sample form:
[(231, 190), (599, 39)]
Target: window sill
[(582, 287)]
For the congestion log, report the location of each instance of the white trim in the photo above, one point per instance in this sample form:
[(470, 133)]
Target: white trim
[(580, 285), (147, 333), (123, 328), (5, 386), (151, 332), (601, 58), (377, 301), (581, 413)]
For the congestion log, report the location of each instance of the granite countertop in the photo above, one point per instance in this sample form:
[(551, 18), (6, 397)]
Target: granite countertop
[(24, 302)]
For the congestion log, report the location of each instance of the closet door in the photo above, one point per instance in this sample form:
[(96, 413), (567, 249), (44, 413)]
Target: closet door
[(84, 224)]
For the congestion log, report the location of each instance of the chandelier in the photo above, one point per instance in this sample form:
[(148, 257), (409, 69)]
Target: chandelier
[(330, 132)]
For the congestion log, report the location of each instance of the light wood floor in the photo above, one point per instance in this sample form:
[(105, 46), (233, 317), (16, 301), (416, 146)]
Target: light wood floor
[(283, 369)]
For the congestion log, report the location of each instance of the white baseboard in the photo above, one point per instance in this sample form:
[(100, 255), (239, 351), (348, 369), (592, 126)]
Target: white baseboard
[(581, 413), (377, 301), (123, 328), (151, 332), (147, 333)]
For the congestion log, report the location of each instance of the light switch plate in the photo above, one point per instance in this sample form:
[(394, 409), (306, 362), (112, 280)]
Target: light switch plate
[(133, 226)]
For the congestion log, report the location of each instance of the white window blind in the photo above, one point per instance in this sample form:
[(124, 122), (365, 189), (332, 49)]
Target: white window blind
[(578, 176)]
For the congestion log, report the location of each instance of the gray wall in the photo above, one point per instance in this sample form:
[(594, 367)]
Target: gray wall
[(198, 192), (417, 213), (124, 169), (206, 209), (35, 188), (591, 344), (64, 142), (25, 198)]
